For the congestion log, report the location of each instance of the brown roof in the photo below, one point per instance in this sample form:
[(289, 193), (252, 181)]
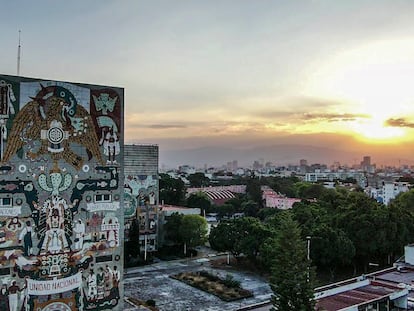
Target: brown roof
[(363, 295)]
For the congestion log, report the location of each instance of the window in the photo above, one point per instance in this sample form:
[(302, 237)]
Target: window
[(102, 198), (6, 202)]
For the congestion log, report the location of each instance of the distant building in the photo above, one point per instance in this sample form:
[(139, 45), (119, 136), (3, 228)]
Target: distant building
[(273, 199), (141, 194), (366, 165), (219, 195), (328, 175), (387, 192)]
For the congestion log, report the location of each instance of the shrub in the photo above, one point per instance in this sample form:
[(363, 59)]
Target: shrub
[(229, 281)]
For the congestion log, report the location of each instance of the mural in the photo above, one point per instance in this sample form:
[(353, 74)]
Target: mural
[(141, 194), (60, 195), (140, 197)]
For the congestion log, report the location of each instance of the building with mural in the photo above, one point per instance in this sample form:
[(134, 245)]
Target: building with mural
[(141, 195), (61, 201)]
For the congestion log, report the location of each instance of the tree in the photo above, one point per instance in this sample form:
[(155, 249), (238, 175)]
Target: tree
[(250, 208), (198, 180), (291, 274), (199, 200), (172, 227), (331, 248), (172, 191), (193, 230), (243, 235), (132, 246)]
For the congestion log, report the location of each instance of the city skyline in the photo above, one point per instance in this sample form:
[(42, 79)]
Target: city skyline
[(234, 74)]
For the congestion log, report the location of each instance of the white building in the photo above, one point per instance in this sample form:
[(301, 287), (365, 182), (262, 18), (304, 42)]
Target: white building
[(388, 191)]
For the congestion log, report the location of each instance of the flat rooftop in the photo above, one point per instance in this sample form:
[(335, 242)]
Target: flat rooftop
[(375, 291)]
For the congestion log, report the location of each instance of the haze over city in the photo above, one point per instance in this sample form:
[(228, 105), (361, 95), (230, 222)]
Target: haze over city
[(231, 75)]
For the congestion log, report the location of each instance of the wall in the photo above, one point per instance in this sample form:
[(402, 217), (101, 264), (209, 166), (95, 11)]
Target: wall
[(61, 195)]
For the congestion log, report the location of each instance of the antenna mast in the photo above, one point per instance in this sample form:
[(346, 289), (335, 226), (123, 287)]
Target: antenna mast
[(18, 55)]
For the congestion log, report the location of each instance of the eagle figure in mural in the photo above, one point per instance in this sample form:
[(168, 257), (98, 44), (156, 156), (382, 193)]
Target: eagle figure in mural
[(55, 119)]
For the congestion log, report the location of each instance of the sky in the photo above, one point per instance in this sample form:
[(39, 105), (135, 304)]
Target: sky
[(232, 73)]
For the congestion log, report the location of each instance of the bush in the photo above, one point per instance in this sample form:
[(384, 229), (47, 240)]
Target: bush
[(229, 281)]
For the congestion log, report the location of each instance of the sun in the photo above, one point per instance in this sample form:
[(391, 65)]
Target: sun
[(374, 80), (374, 131)]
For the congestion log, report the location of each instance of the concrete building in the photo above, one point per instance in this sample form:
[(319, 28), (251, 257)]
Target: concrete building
[(61, 195), (273, 199), (220, 194), (387, 192), (327, 175), (141, 195)]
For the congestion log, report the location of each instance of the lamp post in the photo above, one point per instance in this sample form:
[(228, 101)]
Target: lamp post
[(308, 239)]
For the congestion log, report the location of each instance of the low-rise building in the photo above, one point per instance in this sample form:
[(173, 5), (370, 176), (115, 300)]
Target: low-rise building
[(387, 192), (273, 199)]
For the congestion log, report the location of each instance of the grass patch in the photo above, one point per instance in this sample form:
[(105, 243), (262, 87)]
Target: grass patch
[(227, 289)]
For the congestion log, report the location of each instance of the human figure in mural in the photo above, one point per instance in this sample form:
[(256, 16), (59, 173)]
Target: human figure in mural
[(108, 280), (55, 240), (14, 289), (116, 278), (79, 230), (100, 279), (152, 198), (4, 297), (110, 142), (92, 285), (26, 237)]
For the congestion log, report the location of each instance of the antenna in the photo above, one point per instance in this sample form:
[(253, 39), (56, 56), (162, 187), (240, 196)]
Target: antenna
[(18, 55)]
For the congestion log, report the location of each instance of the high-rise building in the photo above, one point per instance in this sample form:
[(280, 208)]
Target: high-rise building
[(141, 195), (61, 194)]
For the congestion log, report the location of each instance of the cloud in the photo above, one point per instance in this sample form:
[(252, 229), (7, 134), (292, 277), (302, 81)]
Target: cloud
[(162, 126), (298, 108), (399, 122), (332, 117)]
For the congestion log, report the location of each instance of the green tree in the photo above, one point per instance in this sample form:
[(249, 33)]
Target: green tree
[(198, 180), (331, 248), (193, 230), (250, 208), (172, 190), (291, 275), (239, 236), (172, 227), (132, 246), (199, 200)]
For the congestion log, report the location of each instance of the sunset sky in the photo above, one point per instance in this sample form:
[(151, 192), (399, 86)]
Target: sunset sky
[(232, 73)]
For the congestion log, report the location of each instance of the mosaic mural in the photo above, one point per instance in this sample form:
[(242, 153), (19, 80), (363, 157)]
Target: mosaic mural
[(141, 208), (61, 195)]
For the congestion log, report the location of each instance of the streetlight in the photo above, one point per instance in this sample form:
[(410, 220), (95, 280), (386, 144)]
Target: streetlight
[(308, 239)]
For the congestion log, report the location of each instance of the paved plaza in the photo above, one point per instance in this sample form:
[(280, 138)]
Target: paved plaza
[(153, 282)]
